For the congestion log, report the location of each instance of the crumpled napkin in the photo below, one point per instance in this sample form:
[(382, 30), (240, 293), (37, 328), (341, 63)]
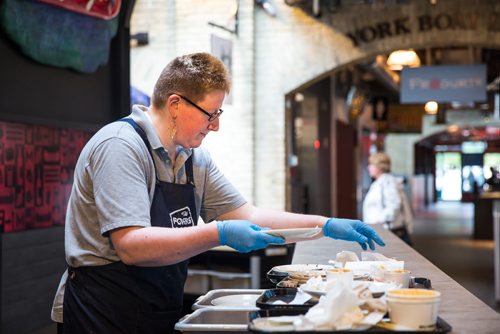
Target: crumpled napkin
[(343, 307), (374, 256), (346, 256), (314, 284), (372, 263), (300, 298), (339, 309), (374, 268)]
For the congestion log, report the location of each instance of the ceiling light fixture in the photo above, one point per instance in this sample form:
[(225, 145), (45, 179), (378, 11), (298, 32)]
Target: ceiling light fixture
[(401, 58), (431, 107)]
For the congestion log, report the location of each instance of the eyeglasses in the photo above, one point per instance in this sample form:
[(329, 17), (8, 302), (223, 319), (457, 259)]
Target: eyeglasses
[(211, 116)]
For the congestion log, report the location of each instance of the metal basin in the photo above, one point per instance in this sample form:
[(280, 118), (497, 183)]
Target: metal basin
[(210, 320)]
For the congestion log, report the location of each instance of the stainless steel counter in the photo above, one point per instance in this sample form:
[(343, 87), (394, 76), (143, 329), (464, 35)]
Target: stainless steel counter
[(460, 308)]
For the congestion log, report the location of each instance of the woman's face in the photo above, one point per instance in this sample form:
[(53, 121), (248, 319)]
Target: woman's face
[(374, 171), (192, 124)]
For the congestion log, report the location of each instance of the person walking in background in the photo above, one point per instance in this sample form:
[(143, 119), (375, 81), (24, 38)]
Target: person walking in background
[(386, 202)]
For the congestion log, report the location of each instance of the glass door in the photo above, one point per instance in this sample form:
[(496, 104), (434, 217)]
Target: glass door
[(449, 176)]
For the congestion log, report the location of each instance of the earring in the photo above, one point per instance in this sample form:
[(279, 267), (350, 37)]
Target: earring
[(173, 130)]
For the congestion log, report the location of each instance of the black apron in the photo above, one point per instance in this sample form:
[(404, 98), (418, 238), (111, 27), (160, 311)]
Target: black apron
[(120, 298)]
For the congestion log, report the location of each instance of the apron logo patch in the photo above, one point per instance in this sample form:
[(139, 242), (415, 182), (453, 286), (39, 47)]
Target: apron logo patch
[(181, 218)]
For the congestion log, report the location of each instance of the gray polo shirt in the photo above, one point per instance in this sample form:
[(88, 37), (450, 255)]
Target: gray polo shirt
[(113, 187)]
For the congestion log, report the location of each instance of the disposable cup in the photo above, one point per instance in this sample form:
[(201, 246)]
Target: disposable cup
[(413, 308), (344, 275), (398, 276)]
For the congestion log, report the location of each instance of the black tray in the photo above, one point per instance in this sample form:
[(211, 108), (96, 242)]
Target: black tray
[(276, 276), (441, 325), (266, 300)]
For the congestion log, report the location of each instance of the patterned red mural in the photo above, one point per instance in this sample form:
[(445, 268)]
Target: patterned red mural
[(36, 174)]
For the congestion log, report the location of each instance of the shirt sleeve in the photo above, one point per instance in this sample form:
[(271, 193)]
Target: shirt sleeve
[(219, 196), (120, 175)]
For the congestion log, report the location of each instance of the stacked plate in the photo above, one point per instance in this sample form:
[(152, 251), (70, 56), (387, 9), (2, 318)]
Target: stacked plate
[(297, 273), (236, 301), (229, 298), (295, 234)]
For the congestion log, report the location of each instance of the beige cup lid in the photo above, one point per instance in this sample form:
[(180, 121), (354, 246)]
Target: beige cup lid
[(413, 293)]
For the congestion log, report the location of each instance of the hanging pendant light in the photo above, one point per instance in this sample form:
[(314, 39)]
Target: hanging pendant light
[(400, 58)]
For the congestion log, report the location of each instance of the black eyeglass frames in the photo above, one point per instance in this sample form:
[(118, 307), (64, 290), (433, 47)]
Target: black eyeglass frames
[(211, 116)]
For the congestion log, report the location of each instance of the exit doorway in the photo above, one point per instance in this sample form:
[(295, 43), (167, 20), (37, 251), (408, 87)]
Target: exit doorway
[(448, 176)]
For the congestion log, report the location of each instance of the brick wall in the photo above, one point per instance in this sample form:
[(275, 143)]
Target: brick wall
[(275, 55), (179, 27)]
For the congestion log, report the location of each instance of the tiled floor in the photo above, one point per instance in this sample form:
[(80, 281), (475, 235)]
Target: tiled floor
[(443, 234)]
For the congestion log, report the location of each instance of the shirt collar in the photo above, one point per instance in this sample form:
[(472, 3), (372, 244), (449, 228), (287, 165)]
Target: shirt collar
[(141, 118)]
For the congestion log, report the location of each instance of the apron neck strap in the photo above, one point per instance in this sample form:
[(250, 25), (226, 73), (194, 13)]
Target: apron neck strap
[(189, 169), (144, 137), (140, 131)]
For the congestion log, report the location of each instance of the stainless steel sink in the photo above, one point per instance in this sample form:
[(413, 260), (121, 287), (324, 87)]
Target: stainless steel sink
[(210, 320)]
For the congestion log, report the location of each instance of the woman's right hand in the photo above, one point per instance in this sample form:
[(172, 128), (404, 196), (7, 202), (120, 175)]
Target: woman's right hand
[(244, 236), (352, 230)]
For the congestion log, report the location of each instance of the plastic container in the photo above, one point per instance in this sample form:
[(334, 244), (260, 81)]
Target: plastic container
[(398, 276), (344, 275), (413, 308)]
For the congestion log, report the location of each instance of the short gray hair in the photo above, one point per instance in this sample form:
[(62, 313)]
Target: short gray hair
[(193, 75)]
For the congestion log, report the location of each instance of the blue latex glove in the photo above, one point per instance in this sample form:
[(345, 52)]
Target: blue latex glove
[(352, 230), (244, 236)]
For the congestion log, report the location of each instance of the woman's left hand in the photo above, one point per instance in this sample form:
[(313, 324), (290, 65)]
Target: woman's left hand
[(352, 230)]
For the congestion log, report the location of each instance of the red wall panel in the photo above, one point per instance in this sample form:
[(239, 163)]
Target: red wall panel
[(36, 174)]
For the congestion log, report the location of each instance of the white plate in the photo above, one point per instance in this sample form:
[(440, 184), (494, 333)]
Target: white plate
[(312, 292), (237, 301), (302, 268), (295, 233)]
